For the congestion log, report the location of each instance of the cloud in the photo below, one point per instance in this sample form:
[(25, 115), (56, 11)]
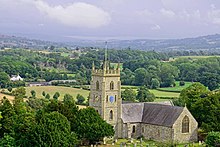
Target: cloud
[(77, 14), (167, 13), (155, 27), (214, 16)]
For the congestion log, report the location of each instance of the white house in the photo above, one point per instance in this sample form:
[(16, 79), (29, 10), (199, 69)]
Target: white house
[(16, 78)]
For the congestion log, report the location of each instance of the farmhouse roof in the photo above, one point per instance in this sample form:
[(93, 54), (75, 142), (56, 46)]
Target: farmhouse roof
[(150, 113)]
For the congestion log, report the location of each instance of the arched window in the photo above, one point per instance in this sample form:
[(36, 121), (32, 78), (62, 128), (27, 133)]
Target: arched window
[(97, 85), (111, 115), (112, 85), (133, 129), (185, 125)]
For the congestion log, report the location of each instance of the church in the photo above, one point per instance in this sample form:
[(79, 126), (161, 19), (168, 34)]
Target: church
[(152, 121)]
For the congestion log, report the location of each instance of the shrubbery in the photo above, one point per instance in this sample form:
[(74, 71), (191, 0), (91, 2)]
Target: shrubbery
[(182, 83), (213, 139)]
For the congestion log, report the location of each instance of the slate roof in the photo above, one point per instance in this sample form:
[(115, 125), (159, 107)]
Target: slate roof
[(149, 113), (132, 112)]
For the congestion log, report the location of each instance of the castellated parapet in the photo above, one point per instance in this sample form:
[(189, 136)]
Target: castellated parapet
[(106, 71)]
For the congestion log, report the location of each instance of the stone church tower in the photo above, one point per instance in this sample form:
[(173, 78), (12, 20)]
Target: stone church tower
[(105, 93)]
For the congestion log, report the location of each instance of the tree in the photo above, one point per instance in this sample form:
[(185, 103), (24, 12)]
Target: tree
[(19, 92), (10, 89), (188, 71), (7, 112), (47, 96), (167, 74), (7, 141), (57, 133), (127, 77), (33, 94), (211, 80), (68, 108), (144, 95), (56, 95), (155, 83), (80, 99), (205, 111), (90, 126), (67, 98), (44, 93), (213, 139), (4, 79), (181, 83), (24, 129), (128, 95), (192, 93), (140, 75)]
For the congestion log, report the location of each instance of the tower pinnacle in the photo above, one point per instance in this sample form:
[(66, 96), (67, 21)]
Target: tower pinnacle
[(106, 51)]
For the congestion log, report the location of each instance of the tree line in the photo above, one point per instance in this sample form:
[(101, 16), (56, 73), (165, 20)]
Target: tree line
[(150, 69)]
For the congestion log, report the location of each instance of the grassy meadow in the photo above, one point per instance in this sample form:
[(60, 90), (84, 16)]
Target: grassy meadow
[(190, 57), (177, 88), (52, 89), (10, 98), (162, 94), (157, 93)]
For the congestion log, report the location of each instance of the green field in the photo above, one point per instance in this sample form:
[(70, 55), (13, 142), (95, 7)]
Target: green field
[(177, 88), (162, 94), (52, 89), (190, 57), (65, 54), (157, 93)]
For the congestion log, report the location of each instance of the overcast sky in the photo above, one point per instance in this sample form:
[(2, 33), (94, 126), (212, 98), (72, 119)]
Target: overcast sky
[(104, 19)]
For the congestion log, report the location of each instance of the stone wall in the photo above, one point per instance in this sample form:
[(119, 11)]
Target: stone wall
[(192, 135), (157, 133)]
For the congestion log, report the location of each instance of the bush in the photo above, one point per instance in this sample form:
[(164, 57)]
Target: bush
[(182, 83), (213, 139)]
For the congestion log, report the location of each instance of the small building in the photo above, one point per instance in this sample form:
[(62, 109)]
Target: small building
[(32, 84), (16, 78)]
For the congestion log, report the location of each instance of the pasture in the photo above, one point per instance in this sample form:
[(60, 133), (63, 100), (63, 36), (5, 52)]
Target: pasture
[(177, 88), (190, 57), (166, 94), (51, 90), (10, 98), (157, 93)]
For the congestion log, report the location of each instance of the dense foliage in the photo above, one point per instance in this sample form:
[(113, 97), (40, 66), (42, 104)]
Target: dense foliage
[(203, 104), (213, 139), (42, 122), (150, 69)]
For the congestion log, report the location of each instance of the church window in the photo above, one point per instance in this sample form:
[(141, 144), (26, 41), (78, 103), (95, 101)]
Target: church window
[(115, 98), (97, 85), (112, 85), (133, 129), (111, 115), (185, 125), (107, 98)]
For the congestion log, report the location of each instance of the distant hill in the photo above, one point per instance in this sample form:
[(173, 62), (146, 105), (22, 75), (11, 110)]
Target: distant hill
[(210, 42), (205, 43), (21, 42)]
